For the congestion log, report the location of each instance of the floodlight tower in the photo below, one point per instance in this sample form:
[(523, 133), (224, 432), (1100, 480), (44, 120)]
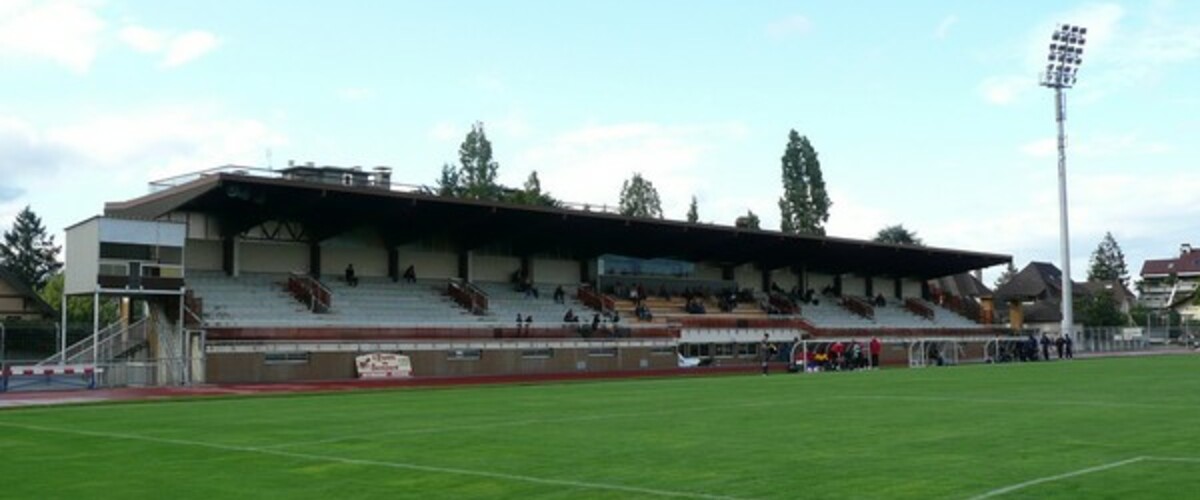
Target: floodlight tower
[(1066, 51)]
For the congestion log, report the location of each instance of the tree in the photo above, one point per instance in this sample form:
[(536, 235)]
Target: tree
[(1108, 262), (748, 221), (639, 198), (693, 215), (477, 169), (532, 194), (79, 309), (804, 207), (28, 252), (898, 235), (449, 184), (1100, 310), (1006, 276)]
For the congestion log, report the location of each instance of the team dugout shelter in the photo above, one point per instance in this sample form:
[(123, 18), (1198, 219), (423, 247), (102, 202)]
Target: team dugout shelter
[(292, 274)]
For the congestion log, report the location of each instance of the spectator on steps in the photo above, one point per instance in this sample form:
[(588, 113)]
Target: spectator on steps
[(351, 279), (570, 317), (410, 274), (560, 295)]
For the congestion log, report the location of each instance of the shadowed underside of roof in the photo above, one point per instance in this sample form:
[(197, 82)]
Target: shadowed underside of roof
[(240, 202)]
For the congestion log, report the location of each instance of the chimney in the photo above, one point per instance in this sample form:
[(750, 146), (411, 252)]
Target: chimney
[(383, 177)]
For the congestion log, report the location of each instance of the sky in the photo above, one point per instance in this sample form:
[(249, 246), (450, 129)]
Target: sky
[(924, 113)]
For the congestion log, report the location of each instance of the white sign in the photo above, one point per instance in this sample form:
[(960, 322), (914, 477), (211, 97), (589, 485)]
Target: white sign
[(383, 365)]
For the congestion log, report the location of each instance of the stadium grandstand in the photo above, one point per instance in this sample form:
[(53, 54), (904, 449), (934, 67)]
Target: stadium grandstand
[(292, 274)]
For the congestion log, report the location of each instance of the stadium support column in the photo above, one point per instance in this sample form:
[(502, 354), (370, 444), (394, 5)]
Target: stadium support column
[(766, 278), (527, 267), (393, 263), (314, 259), (229, 255), (464, 265), (63, 331)]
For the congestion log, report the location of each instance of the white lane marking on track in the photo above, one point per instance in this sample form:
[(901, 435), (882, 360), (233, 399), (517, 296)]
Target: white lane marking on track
[(376, 463), (1080, 472)]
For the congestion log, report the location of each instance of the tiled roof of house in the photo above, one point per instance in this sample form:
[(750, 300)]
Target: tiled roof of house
[(1186, 263)]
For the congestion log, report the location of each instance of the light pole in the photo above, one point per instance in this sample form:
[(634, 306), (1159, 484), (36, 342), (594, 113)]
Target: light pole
[(1066, 49)]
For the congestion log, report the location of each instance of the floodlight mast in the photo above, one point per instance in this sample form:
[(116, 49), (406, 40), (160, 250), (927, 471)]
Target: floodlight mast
[(1066, 51)]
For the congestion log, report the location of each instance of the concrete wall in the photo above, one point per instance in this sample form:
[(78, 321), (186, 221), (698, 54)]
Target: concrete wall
[(202, 255), (785, 278), (429, 265), (707, 271), (555, 271), (272, 257), (498, 268), (252, 367), (817, 281), (853, 285), (911, 288), (748, 276), (368, 261)]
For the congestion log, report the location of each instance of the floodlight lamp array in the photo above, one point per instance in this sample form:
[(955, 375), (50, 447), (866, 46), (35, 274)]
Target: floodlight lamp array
[(1066, 54)]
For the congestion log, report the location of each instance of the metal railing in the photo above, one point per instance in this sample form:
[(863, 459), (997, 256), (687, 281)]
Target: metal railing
[(178, 180)]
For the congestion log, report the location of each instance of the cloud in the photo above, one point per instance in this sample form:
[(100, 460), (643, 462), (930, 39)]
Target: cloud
[(189, 46), (67, 171), (355, 94), (143, 39), (1003, 90), (943, 28), (25, 151), (9, 193), (65, 32), (445, 131), (789, 27), (175, 49), (1102, 146), (589, 164)]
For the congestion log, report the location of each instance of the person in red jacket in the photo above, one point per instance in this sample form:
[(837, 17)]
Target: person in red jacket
[(876, 348), (836, 352)]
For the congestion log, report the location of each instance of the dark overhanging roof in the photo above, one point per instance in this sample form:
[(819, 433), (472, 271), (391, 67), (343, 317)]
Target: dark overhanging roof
[(242, 201)]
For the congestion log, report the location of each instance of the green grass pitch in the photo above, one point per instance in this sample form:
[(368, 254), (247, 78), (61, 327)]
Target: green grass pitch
[(1111, 428)]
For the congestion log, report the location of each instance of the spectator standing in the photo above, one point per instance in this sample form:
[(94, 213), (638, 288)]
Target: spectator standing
[(1059, 344), (876, 348), (351, 279), (410, 274), (1045, 347), (765, 351), (1069, 344)]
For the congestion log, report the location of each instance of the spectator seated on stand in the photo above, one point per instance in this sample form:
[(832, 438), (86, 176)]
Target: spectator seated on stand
[(694, 306), (410, 275), (560, 295), (643, 312), (351, 279), (570, 317)]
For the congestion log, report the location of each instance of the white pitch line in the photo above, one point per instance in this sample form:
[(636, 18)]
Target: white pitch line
[(1098, 468), (1066, 475), (949, 399), (377, 463), (514, 423), (1186, 460)]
